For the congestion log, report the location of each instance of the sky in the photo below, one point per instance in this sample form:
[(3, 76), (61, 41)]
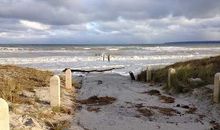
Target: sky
[(108, 21)]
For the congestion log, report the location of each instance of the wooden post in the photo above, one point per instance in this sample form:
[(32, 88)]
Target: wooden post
[(132, 75), (171, 71), (148, 74), (4, 115), (68, 79), (216, 92), (55, 91)]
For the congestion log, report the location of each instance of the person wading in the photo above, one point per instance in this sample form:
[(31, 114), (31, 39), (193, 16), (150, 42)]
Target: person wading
[(109, 57)]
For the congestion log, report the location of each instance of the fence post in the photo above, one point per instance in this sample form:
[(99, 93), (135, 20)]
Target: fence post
[(171, 71), (4, 115), (148, 74), (216, 92), (55, 91), (68, 79)]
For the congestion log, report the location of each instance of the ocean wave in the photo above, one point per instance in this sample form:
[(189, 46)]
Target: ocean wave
[(64, 59), (10, 49), (86, 48), (133, 58), (120, 49), (113, 49)]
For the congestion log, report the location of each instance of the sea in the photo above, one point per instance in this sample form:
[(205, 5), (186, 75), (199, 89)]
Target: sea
[(135, 58)]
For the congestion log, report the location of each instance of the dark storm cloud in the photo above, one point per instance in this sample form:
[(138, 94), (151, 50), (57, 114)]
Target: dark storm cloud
[(78, 11), (40, 11), (98, 21)]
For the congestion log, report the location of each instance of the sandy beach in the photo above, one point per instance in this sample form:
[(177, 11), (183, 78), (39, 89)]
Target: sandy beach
[(132, 105)]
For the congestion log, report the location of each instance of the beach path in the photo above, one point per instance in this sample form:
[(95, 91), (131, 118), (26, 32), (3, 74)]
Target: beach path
[(114, 102)]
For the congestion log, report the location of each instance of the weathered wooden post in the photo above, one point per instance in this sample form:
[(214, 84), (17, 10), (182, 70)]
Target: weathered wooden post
[(216, 93), (4, 115), (68, 79), (132, 75), (148, 74), (55, 91), (171, 72)]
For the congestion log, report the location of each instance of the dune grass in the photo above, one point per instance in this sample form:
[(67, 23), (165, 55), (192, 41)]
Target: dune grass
[(205, 69), (14, 79), (142, 76)]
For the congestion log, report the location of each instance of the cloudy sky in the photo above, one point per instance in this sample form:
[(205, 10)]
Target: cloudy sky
[(108, 21)]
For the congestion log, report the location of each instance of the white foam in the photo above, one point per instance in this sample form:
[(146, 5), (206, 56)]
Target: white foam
[(10, 49), (66, 59), (86, 48), (131, 57), (113, 49)]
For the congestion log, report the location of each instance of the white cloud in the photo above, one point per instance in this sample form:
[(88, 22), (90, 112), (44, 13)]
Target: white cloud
[(112, 21), (34, 25), (3, 34)]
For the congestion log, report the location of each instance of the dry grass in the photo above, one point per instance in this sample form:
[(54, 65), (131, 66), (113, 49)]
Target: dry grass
[(142, 76), (205, 69), (14, 79), (49, 117), (61, 125), (62, 109)]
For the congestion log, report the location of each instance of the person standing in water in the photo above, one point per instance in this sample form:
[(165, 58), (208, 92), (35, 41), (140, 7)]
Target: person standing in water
[(109, 57), (103, 56)]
